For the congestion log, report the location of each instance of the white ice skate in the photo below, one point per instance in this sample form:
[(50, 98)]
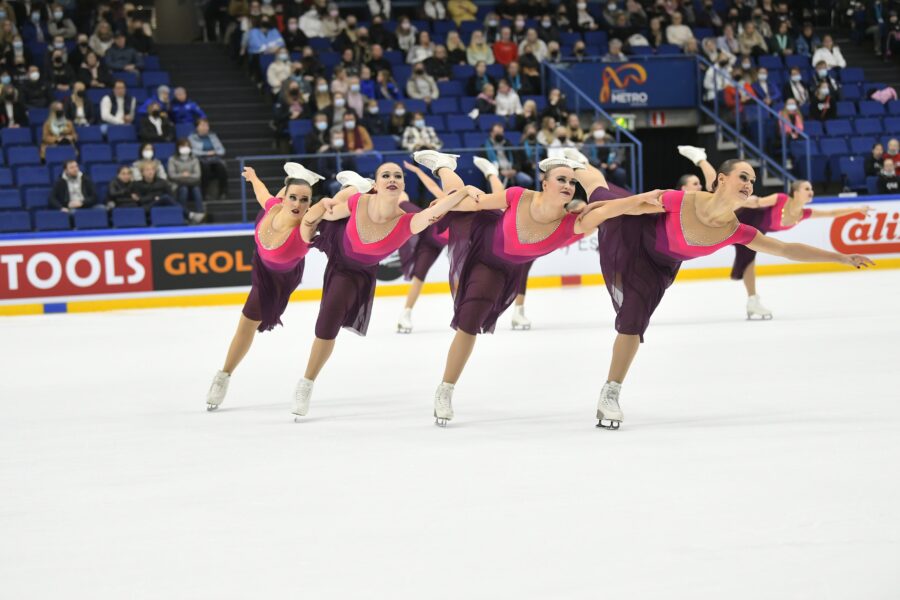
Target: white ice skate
[(298, 171), (217, 390), (755, 309), (692, 153), (609, 415), (548, 164), (486, 167), (575, 155), (404, 323), (301, 397), (434, 160), (519, 320), (443, 404), (354, 179)]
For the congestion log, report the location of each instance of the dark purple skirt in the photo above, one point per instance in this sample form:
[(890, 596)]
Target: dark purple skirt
[(743, 256), (419, 254), (484, 285), (636, 274), (270, 292), (348, 288)]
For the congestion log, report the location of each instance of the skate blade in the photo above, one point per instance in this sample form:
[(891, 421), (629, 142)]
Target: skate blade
[(441, 422), (404, 329), (610, 424), (522, 327), (211, 407), (759, 317)]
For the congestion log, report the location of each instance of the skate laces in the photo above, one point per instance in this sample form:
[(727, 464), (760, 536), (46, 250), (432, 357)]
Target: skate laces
[(611, 397), (444, 396)]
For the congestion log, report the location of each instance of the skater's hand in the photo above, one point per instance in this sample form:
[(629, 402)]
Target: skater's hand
[(329, 204), (865, 209), (858, 261), (249, 174), (474, 192), (654, 197), (411, 167)]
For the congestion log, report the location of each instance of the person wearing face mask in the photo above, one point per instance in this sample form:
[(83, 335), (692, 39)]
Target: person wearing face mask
[(78, 108), (791, 114), (824, 77), (372, 119), (94, 74), (610, 161), (462, 10), (491, 27), (13, 113), (356, 139), (421, 85), (830, 54), (35, 91), (795, 88), (508, 164), (278, 71), (822, 106), (888, 182), (485, 103), (102, 38), (764, 90), (716, 78), (739, 89), (378, 34), (184, 172), (807, 42), (291, 107), (264, 39), (156, 126), (547, 29), (35, 26), (874, 161), (406, 34), (518, 29), (56, 46), (73, 190), (583, 20), (893, 153), (14, 51), (60, 25), (61, 75), (57, 130), (319, 100), (355, 99), (148, 159), (338, 110), (399, 120), (207, 147), (419, 136), (294, 38), (332, 23), (163, 97), (318, 141)]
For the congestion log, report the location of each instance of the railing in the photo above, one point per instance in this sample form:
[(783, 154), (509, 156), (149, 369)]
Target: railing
[(380, 156), (735, 132), (567, 86)]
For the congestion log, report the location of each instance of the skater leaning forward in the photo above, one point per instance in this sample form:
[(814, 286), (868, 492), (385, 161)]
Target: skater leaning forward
[(282, 241), (493, 240), (641, 254)]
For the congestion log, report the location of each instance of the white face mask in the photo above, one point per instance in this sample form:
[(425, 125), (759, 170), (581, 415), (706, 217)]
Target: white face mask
[(34, 76), (338, 142), (520, 24), (581, 5), (796, 78), (184, 151), (599, 134), (292, 27), (147, 154), (612, 6), (283, 57), (547, 23), (419, 123), (373, 110), (354, 87), (339, 102), (763, 76), (791, 107), (399, 112), (321, 88), (321, 125), (349, 124)]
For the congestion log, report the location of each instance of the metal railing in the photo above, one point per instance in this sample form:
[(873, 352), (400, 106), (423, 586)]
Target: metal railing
[(571, 90), (343, 158)]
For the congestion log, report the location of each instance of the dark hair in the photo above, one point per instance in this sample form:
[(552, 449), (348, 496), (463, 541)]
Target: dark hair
[(68, 162), (725, 169), (682, 181), (289, 181), (795, 185), (378, 168)]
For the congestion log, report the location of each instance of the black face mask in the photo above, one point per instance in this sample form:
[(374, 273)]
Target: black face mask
[(298, 72), (530, 136), (79, 93), (58, 114), (154, 113), (10, 96), (363, 38), (58, 60), (498, 137), (294, 92), (420, 72)]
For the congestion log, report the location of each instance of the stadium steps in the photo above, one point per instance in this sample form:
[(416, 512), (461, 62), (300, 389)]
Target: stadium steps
[(876, 69), (239, 114)]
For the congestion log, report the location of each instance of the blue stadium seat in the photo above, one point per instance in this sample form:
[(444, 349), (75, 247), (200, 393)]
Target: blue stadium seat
[(103, 173), (366, 164), (265, 60), (166, 216), (641, 51), (95, 95), (140, 95), (91, 219), (22, 155), (466, 105), (852, 75), (796, 60), (384, 143), (463, 72), (474, 139), (514, 137), (798, 148), (6, 178), (846, 109), (436, 121), (861, 145), (770, 62), (595, 38), (872, 185), (31, 176), (413, 105), (496, 71), (154, 79), (892, 125), (37, 197), (163, 150), (89, 134), (183, 130), (151, 62), (893, 107), (386, 107), (813, 129), (460, 123), (567, 38), (451, 88), (321, 44), (838, 127), (14, 221), (299, 127), (485, 122), (867, 126), (870, 108), (540, 101), (59, 154), (833, 146), (444, 105), (96, 153), (395, 57), (852, 168), (851, 92), (129, 217), (10, 200), (130, 79), (452, 140), (127, 152), (401, 74), (817, 165), (120, 133), (668, 49), (444, 27), (51, 220)]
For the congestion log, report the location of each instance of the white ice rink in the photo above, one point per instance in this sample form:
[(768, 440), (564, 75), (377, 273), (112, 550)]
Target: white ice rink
[(756, 461)]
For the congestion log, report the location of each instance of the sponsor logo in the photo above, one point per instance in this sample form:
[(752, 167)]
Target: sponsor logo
[(878, 233), (73, 269), (621, 77), (202, 262)]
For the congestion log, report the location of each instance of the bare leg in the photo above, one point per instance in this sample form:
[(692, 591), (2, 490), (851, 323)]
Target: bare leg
[(496, 184), (240, 343), (750, 279), (450, 181), (520, 300), (709, 174), (415, 288), (318, 356), (624, 349), (460, 351)]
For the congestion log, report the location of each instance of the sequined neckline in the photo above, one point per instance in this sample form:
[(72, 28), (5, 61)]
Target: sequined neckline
[(271, 216), (784, 210), (362, 229), (520, 231), (684, 233)]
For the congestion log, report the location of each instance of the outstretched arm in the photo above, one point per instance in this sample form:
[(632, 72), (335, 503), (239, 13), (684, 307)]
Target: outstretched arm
[(326, 209), (804, 253), (433, 188), (839, 212), (760, 201), (592, 219), (478, 200), (259, 188), (438, 209), (709, 174)]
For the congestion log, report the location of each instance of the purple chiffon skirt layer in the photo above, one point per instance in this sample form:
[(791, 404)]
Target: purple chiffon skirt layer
[(419, 254), (348, 288), (270, 292), (743, 256), (636, 274), (484, 284)]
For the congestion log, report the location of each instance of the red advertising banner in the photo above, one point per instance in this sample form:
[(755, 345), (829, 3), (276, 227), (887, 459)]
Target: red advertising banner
[(876, 233), (75, 269)]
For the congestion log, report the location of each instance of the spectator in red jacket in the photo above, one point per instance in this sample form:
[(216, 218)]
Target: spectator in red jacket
[(505, 49)]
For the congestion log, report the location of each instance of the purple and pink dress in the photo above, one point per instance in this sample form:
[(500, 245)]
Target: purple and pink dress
[(640, 257), (489, 264), (420, 252), (769, 218), (276, 274), (348, 288)]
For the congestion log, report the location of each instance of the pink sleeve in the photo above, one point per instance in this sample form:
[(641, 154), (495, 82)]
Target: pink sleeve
[(272, 202), (513, 194), (807, 213), (671, 200), (744, 234)]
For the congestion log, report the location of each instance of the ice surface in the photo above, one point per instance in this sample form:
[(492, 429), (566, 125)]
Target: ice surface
[(756, 460)]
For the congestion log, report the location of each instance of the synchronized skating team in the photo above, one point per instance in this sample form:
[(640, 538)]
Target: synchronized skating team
[(493, 238)]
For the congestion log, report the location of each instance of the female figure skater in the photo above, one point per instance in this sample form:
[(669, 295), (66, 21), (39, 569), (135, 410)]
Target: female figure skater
[(777, 212), (640, 256), (690, 182), (489, 250), (282, 241), (362, 229)]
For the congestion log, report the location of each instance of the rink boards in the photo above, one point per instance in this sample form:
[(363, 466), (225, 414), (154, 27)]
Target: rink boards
[(195, 266)]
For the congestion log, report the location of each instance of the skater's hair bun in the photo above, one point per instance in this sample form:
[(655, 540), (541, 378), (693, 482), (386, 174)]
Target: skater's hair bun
[(795, 185), (725, 169), (682, 181)]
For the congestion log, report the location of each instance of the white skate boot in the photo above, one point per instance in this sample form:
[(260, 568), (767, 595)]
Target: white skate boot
[(217, 390), (404, 323), (692, 153), (434, 160), (548, 164), (443, 404), (608, 406), (354, 179), (298, 171), (519, 320), (301, 398), (755, 309), (486, 167), (575, 155)]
